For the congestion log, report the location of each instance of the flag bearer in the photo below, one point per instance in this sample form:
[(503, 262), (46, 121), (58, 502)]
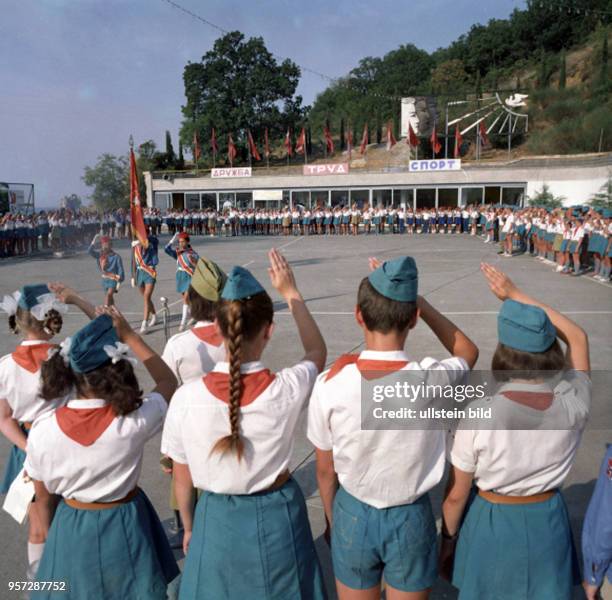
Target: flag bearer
[(110, 265)]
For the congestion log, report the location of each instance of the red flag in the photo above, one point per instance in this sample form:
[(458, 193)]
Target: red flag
[(412, 138), (138, 227), (266, 144), (213, 142), (253, 147), (300, 144), (391, 141), (288, 143), (364, 140), (458, 142), (231, 149), (349, 141), (196, 147), (329, 142), (435, 144), (482, 132)]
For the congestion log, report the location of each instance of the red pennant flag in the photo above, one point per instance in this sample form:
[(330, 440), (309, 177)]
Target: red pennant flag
[(412, 138), (213, 142), (300, 144), (364, 140), (231, 149), (349, 141), (196, 147), (138, 227), (253, 147), (458, 142), (266, 144), (391, 141), (329, 142), (435, 144), (288, 143), (482, 132)]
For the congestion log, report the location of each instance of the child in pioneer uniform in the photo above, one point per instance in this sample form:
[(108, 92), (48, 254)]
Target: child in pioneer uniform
[(146, 260), (515, 540), (35, 313), (105, 540), (186, 258), (374, 484), (251, 514), (110, 265)]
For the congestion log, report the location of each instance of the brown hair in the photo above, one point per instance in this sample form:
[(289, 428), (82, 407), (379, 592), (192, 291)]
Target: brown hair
[(508, 362), (115, 383), (239, 321), (201, 308), (23, 321), (381, 313)]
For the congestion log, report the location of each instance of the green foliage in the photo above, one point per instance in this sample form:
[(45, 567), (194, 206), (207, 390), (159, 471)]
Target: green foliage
[(562, 71), (71, 201), (109, 179), (544, 198), (603, 198), (180, 162), (449, 77), (239, 85), (170, 157)]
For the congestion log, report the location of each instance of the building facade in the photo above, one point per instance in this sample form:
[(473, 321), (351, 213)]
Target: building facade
[(576, 178)]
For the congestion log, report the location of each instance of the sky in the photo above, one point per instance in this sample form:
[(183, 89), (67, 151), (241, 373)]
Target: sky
[(77, 77)]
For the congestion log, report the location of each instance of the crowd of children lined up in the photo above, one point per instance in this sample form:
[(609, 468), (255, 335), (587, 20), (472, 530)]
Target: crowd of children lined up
[(79, 421)]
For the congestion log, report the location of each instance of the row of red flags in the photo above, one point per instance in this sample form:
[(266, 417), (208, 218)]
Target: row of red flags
[(300, 144)]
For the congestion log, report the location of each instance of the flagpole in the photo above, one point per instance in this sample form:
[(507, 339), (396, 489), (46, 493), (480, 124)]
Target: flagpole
[(133, 256)]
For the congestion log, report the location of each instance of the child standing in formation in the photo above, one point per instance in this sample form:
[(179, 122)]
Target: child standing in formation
[(34, 313), (250, 536), (110, 265), (374, 484), (186, 258), (514, 540), (104, 538)]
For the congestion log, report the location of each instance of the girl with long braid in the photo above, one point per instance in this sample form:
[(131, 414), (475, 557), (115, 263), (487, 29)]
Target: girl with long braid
[(250, 536)]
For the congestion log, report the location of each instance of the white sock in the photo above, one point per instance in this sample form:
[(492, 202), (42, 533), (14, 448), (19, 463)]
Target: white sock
[(185, 314), (35, 552)]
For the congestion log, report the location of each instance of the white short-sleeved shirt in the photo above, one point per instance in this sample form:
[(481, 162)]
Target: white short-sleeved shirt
[(191, 354), (271, 405), (20, 387), (523, 462), (381, 468), (104, 471)]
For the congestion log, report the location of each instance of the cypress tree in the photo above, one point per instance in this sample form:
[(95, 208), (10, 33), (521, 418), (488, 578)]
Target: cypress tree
[(169, 149)]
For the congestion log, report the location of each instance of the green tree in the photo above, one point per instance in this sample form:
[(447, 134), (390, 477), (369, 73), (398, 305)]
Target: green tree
[(544, 198), (180, 162), (239, 85), (109, 179), (603, 198), (170, 156), (449, 77), (342, 134), (71, 201)]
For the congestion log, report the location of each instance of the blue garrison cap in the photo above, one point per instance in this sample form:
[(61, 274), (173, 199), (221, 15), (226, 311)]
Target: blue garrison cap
[(87, 348), (607, 213), (240, 284), (30, 293), (397, 279), (525, 327)]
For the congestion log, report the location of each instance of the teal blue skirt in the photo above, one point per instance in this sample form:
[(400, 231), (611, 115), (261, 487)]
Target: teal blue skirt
[(12, 469), (516, 552), (255, 546), (13, 466), (143, 278), (108, 284), (183, 280), (111, 554)]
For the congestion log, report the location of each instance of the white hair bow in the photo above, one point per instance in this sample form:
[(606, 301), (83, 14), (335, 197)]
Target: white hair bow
[(47, 302), (9, 303), (119, 352)]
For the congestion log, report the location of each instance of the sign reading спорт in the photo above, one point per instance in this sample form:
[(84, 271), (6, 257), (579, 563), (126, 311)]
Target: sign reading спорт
[(435, 164)]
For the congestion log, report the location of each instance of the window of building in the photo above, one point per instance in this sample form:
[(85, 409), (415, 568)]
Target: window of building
[(448, 197), (426, 198), (192, 201), (227, 200), (492, 194), (319, 198), (473, 195), (359, 197), (340, 198), (513, 195), (382, 197), (161, 200), (302, 198), (209, 200), (244, 200)]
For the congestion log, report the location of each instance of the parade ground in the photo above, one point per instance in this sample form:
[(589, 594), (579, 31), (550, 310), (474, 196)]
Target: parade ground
[(328, 270)]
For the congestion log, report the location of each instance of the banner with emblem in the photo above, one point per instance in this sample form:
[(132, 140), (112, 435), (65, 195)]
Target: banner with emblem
[(138, 227)]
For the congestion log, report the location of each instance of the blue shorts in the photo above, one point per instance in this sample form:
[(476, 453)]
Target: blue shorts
[(398, 543)]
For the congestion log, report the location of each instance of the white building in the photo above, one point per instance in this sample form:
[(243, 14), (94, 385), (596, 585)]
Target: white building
[(576, 178)]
